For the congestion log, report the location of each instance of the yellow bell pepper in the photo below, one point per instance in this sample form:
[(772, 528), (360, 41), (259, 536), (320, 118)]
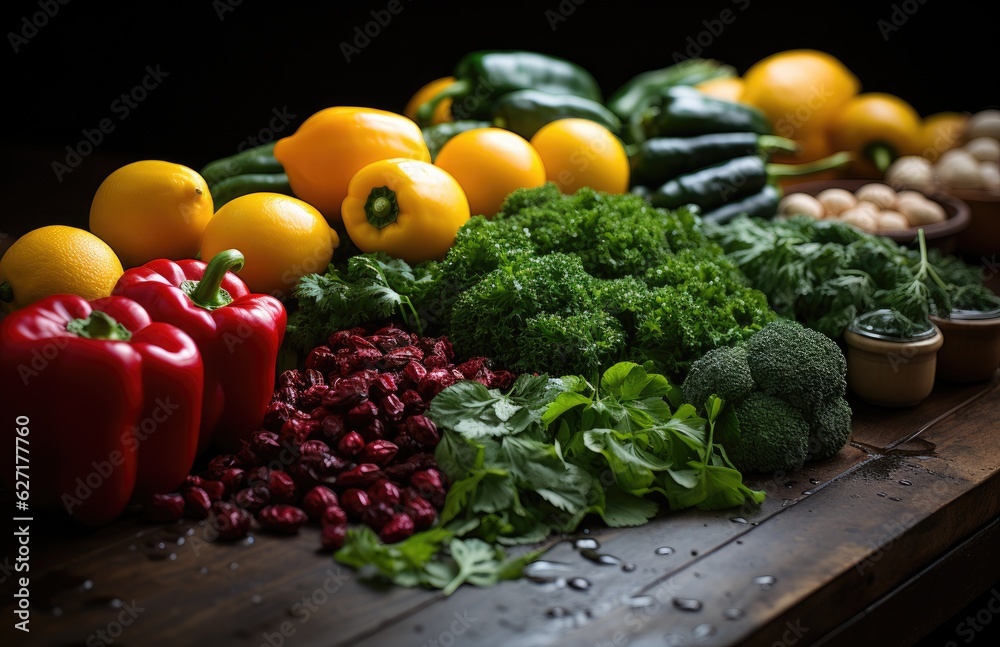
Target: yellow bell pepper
[(442, 113), (331, 146), (406, 208), (878, 127)]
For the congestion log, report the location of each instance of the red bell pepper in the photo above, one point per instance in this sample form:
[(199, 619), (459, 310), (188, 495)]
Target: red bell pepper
[(238, 333), (110, 400)]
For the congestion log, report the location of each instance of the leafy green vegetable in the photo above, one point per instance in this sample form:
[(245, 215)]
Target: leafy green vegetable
[(601, 450)]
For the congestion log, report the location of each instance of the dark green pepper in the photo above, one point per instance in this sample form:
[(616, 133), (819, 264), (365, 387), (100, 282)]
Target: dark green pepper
[(525, 111), (483, 76), (683, 111), (763, 204), (259, 159), (437, 135), (233, 187), (659, 159), (715, 185), (634, 96)]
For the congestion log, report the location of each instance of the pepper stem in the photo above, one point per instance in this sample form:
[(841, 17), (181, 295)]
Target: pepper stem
[(208, 292), (776, 144), (425, 112), (99, 325), (381, 207), (881, 155), (823, 164), (6, 292)]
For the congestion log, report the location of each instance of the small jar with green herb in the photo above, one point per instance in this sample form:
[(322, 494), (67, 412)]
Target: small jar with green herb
[(890, 362)]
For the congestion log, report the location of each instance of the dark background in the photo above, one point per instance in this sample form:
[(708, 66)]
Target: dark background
[(230, 63)]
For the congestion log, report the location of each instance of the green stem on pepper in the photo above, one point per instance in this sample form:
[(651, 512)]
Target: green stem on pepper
[(426, 110), (381, 207), (823, 164), (99, 325), (208, 292)]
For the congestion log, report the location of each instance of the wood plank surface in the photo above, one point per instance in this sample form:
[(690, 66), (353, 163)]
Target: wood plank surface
[(837, 537)]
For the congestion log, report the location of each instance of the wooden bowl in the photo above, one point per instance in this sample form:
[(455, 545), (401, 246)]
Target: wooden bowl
[(942, 235), (982, 236)]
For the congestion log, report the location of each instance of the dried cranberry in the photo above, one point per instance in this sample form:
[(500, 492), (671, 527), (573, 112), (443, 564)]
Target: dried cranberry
[(341, 338), (357, 342), (282, 518), (384, 491), (234, 478), (215, 489), (296, 430), (319, 414), (384, 384), (317, 500), (362, 413), (260, 474), (246, 456), (252, 498), (191, 480), (377, 515), (230, 522), (311, 447), (434, 362), (316, 469), (165, 507), (288, 395), (196, 502), (351, 444), (332, 535), (218, 466), (281, 486), (473, 368), (392, 407), (419, 508), (413, 401), (312, 397), (400, 471), (313, 378), (374, 430), (355, 501), (502, 380), (380, 452), (265, 444), (390, 337), (345, 393), (332, 428), (398, 358), (320, 359), (414, 371), (334, 514), (429, 484), (424, 461), (292, 378), (361, 476), (276, 414), (398, 528), (423, 430)]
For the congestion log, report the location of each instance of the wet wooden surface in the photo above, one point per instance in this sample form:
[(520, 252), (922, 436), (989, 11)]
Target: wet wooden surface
[(838, 548)]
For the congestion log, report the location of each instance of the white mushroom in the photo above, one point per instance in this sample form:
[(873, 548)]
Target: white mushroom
[(892, 221), (958, 169), (985, 123), (801, 203), (882, 196), (920, 211), (862, 219), (984, 149), (835, 201), (911, 172), (989, 173)]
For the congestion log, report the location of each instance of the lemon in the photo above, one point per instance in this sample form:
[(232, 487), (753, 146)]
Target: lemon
[(57, 259), (152, 209), (282, 239), (580, 152)]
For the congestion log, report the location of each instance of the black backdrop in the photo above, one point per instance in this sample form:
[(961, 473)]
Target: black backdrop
[(223, 69)]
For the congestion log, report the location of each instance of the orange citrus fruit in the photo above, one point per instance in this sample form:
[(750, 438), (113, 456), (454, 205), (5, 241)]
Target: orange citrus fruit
[(580, 152), (57, 259), (152, 209), (281, 238), (490, 163), (727, 88), (799, 89)]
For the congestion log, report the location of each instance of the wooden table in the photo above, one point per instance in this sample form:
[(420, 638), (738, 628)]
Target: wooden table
[(874, 547)]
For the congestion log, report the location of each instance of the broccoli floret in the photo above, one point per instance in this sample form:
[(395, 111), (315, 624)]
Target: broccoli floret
[(615, 235), (829, 429), (723, 372), (579, 344), (493, 312), (774, 436), (800, 365)]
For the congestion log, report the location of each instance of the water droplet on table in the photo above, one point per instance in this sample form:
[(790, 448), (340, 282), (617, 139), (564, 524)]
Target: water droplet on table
[(703, 631), (116, 603), (738, 520), (815, 481), (600, 558), (687, 604), (628, 567), (233, 566), (664, 550), (587, 543), (882, 494), (905, 482), (87, 585), (733, 614), (639, 601), (557, 612), (765, 582), (256, 599), (895, 498), (203, 570), (579, 583)]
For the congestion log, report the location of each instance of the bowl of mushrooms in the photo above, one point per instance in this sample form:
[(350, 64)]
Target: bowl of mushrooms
[(970, 172), (877, 208)]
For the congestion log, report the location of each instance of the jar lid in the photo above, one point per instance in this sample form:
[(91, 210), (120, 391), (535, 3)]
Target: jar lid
[(884, 324), (975, 314)]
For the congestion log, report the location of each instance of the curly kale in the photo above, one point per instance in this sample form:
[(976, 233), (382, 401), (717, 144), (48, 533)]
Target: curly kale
[(578, 344), (615, 235)]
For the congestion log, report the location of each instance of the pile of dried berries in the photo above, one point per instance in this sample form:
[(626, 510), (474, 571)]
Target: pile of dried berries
[(344, 440)]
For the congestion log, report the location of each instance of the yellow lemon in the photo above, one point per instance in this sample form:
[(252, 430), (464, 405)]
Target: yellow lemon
[(57, 259), (282, 239), (579, 152), (152, 209)]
